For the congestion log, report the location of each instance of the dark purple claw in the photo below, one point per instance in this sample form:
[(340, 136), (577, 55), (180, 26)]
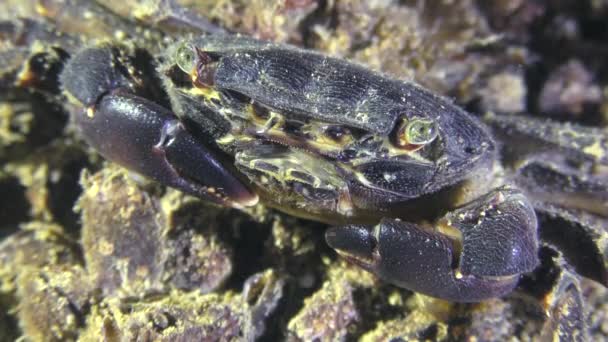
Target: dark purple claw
[(148, 139), (140, 134), (193, 162), (497, 246)]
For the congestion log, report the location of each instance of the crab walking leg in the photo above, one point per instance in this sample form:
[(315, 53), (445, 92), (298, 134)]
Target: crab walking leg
[(144, 136), (476, 252)]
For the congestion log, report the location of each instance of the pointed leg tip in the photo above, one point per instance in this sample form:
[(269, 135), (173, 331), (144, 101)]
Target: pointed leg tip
[(353, 242)]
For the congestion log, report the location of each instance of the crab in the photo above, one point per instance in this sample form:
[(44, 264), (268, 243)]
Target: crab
[(418, 191)]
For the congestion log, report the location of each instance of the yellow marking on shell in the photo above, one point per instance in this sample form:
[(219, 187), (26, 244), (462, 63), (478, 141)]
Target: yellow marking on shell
[(90, 112), (206, 92), (209, 94), (595, 150), (231, 138)]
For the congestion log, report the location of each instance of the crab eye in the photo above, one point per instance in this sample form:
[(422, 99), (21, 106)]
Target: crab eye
[(420, 131), (185, 57), (417, 132)]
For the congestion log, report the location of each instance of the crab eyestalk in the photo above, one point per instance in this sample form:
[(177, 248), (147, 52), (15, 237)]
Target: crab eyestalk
[(416, 132), (185, 58), (196, 63)]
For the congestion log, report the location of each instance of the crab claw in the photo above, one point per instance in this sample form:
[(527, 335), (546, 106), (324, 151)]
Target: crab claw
[(143, 136), (148, 139), (474, 253)]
